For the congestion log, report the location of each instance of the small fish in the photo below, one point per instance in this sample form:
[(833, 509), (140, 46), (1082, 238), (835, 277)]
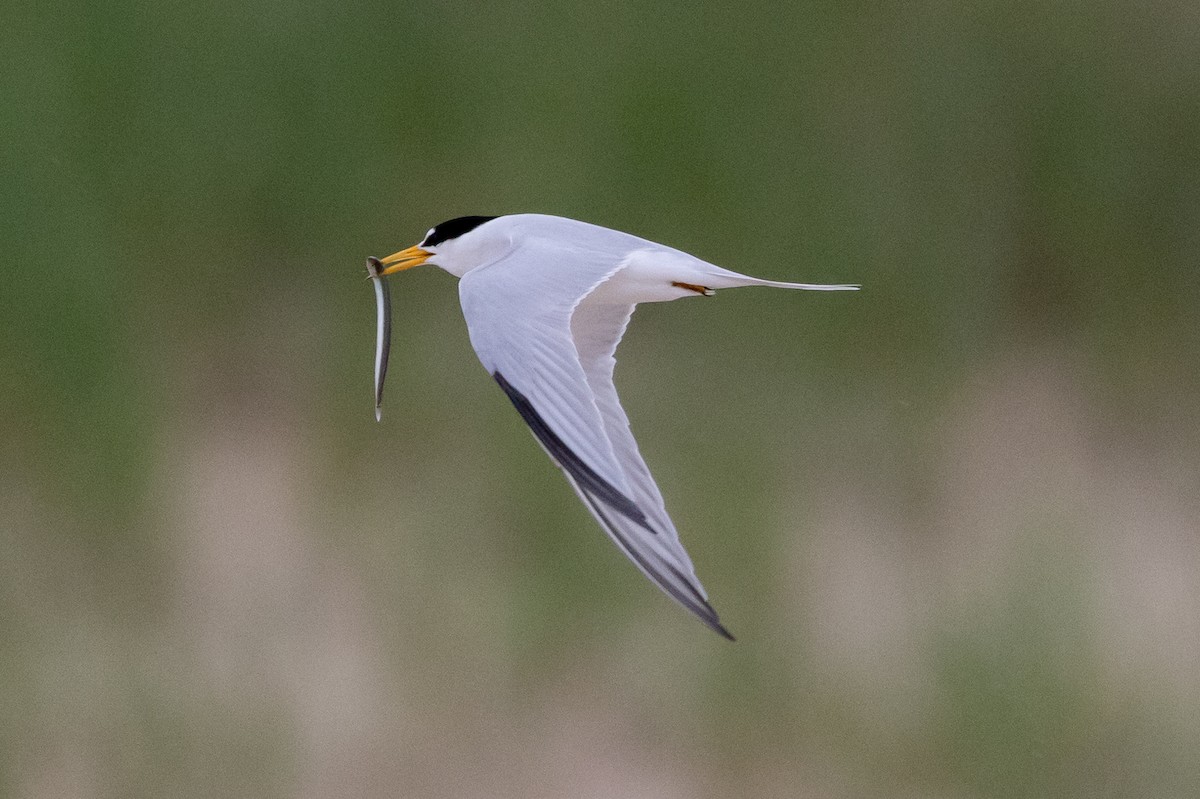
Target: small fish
[(383, 334)]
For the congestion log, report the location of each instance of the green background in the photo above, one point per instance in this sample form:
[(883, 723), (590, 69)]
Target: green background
[(951, 518)]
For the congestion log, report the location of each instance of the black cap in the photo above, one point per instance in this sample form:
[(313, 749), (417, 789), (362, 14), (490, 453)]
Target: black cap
[(452, 229)]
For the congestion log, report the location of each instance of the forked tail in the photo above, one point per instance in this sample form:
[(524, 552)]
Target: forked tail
[(720, 278)]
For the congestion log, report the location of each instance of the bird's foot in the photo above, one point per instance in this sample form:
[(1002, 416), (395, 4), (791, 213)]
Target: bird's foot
[(704, 290)]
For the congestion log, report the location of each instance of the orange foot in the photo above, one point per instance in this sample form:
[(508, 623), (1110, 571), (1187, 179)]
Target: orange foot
[(705, 290)]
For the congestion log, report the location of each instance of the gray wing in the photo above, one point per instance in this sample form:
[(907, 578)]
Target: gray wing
[(597, 328), (523, 315)]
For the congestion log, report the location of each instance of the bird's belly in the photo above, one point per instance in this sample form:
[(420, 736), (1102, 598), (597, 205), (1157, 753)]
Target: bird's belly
[(649, 277)]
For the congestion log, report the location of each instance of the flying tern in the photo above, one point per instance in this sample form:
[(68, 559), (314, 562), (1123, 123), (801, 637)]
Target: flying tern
[(546, 300)]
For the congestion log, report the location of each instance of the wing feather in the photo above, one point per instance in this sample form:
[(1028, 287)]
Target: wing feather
[(518, 313), (597, 328), (552, 354)]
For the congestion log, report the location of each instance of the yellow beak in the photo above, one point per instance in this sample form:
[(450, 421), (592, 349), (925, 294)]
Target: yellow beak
[(405, 259)]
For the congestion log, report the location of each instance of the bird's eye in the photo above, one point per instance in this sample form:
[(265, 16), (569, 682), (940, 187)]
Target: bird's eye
[(428, 233)]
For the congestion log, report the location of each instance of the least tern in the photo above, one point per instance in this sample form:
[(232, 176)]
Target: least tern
[(547, 300)]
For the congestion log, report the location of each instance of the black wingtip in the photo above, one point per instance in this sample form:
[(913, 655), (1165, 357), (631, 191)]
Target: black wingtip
[(720, 628), (708, 615), (690, 599)]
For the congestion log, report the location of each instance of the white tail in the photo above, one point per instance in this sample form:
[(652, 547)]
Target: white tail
[(719, 278)]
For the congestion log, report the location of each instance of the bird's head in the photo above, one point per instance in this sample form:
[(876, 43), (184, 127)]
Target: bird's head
[(458, 246)]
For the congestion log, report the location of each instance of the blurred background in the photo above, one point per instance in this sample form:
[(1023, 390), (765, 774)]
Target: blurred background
[(952, 518)]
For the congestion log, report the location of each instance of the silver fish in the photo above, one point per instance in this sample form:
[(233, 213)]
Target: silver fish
[(383, 333)]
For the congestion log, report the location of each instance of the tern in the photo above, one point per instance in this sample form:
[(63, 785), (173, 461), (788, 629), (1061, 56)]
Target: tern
[(546, 300)]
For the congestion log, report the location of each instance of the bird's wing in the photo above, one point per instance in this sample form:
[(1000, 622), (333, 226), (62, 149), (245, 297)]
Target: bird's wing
[(519, 315), (597, 328)]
